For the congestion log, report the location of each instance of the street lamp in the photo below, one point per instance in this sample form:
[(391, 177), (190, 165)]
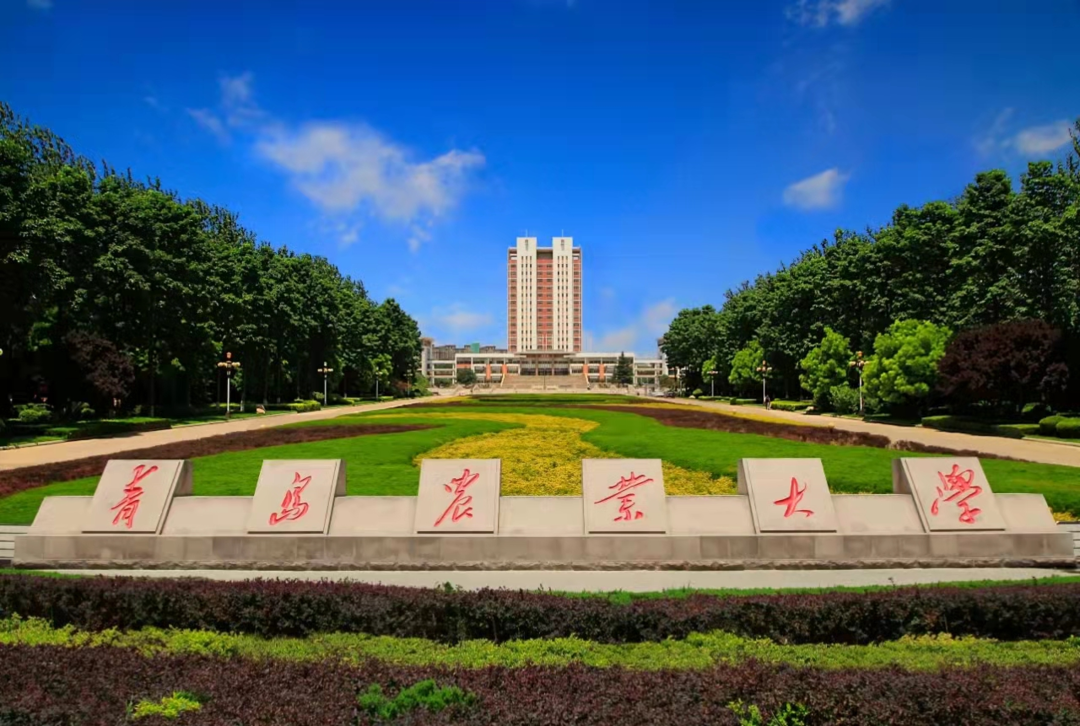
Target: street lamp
[(325, 373), (229, 365), (858, 364), (712, 383), (764, 369)]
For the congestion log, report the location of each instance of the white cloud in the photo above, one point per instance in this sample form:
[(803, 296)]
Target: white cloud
[(347, 169), (989, 141), (821, 13), (209, 121), (460, 319), (640, 334), (820, 191), (1038, 140), (39, 4)]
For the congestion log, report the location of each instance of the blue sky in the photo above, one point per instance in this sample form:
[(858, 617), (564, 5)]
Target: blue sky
[(686, 145)]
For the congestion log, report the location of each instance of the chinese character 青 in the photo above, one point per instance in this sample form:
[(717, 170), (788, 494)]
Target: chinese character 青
[(461, 507), (292, 506), (625, 494), (791, 501), (129, 505), (959, 486)]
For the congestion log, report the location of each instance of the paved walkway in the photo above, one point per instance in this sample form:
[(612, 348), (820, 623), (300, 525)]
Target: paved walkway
[(629, 581), (70, 450), (1044, 452)]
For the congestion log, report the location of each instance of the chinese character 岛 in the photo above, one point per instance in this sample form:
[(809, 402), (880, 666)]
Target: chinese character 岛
[(461, 506), (129, 505), (292, 506), (625, 494), (791, 501), (961, 484)]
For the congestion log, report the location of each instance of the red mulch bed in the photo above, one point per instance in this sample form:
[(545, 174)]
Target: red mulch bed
[(29, 477), (716, 421)]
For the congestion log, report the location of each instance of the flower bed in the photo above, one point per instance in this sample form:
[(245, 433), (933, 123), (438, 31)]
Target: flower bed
[(276, 608), (50, 685)]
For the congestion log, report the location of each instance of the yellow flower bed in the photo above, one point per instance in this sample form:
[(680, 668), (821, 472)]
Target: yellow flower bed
[(544, 456)]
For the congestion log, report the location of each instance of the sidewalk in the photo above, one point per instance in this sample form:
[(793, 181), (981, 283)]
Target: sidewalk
[(71, 450), (1043, 452)]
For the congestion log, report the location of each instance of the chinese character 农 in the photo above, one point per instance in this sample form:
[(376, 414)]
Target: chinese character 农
[(961, 484), (791, 501), (129, 505), (292, 506), (623, 492), (461, 506)]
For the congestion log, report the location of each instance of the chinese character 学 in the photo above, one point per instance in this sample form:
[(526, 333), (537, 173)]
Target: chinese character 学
[(132, 494), (461, 507), (292, 506), (625, 494), (791, 501), (960, 487)]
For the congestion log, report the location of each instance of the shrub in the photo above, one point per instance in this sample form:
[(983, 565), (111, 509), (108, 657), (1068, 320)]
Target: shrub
[(168, 707), (698, 393), (272, 608), (1069, 428), (1048, 425), (99, 429), (844, 399), (33, 413), (425, 694), (735, 401), (961, 424), (797, 406)]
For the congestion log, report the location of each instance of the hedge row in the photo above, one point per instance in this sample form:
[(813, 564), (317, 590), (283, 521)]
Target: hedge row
[(1061, 426), (793, 406), (49, 686), (966, 425), (276, 608)]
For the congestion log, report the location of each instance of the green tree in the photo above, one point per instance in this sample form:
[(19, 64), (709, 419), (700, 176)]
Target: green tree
[(466, 377), (826, 366), (624, 372), (690, 340), (744, 367), (382, 367), (904, 368)]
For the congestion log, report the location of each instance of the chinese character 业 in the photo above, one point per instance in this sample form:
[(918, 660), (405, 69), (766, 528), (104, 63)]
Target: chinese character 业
[(623, 492), (791, 501), (129, 505), (292, 506), (961, 484), (461, 506)]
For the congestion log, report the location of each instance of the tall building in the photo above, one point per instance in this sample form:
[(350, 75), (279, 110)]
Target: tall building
[(544, 296)]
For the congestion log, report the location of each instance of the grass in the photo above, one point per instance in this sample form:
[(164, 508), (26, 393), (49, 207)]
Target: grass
[(698, 650)]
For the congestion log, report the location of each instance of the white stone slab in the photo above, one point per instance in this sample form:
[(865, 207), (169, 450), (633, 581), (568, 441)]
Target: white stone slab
[(295, 497), (722, 515), (951, 493), (361, 516), (133, 496), (787, 495), (624, 495), (208, 516), (541, 516), (1026, 513), (61, 515), (458, 496), (877, 514)]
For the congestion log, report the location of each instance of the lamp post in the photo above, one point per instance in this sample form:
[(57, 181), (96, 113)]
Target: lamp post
[(764, 369), (712, 384), (325, 374), (229, 365), (858, 364)]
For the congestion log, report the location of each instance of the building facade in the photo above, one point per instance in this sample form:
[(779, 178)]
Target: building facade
[(543, 296)]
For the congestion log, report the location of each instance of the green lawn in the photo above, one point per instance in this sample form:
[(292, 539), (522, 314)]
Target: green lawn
[(382, 464)]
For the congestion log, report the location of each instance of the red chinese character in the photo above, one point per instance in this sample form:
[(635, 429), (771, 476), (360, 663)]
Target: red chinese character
[(461, 505), (960, 483), (292, 506), (129, 505), (791, 501), (625, 496)]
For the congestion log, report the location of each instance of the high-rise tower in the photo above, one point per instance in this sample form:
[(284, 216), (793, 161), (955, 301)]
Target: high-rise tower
[(544, 296)]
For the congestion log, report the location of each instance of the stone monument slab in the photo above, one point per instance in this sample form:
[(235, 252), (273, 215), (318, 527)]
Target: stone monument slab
[(710, 515), (1023, 513), (366, 516), (951, 493), (624, 495), (541, 516), (787, 495), (208, 516), (877, 514), (296, 497), (458, 496), (61, 515), (133, 496)]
